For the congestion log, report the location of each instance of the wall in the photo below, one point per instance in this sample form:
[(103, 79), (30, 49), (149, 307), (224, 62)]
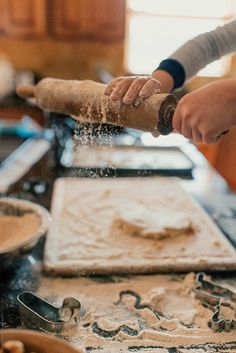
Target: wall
[(71, 60)]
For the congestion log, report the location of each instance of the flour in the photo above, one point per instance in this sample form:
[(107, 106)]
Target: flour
[(175, 317), (86, 138), (16, 229)]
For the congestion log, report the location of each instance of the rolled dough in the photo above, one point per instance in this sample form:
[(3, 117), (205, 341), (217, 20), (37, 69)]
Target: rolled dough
[(163, 223)]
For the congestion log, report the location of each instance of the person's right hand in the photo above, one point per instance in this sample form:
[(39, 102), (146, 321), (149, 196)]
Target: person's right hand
[(129, 89), (207, 113)]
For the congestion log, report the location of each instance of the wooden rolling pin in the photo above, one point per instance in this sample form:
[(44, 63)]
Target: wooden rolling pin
[(85, 101)]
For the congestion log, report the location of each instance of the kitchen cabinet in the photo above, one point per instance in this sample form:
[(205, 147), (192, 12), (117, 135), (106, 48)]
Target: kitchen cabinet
[(98, 20), (109, 19), (24, 18), (101, 20), (71, 19), (2, 16)]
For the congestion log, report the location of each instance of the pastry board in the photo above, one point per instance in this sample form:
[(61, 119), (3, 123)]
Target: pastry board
[(81, 241)]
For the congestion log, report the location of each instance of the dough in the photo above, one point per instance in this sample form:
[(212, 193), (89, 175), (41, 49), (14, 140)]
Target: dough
[(163, 223)]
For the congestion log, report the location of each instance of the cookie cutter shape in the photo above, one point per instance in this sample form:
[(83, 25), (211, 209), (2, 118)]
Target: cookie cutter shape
[(138, 305), (216, 296), (221, 324), (37, 313)]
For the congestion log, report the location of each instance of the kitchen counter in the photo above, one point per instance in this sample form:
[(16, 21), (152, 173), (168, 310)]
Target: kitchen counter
[(14, 108), (207, 187)]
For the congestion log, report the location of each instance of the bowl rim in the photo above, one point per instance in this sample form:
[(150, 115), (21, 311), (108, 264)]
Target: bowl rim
[(41, 211), (37, 334)]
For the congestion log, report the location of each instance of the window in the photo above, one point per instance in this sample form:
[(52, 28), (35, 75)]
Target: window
[(156, 28)]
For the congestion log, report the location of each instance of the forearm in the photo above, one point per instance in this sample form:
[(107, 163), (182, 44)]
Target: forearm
[(165, 79), (197, 53), (206, 48)]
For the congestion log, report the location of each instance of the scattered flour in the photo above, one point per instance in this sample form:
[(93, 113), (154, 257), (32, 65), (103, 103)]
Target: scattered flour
[(88, 137), (170, 315)]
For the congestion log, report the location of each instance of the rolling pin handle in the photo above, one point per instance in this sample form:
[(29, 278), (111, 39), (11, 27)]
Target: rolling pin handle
[(166, 114), (26, 91)]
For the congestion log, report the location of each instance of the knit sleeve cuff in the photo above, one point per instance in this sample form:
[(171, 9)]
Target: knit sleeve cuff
[(175, 69)]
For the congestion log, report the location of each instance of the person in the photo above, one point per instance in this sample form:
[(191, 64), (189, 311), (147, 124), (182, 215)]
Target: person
[(205, 114)]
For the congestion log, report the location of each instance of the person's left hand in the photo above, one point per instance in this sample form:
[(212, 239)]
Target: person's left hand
[(206, 114)]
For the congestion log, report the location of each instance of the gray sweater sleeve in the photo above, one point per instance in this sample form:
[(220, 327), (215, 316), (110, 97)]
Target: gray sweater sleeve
[(200, 51)]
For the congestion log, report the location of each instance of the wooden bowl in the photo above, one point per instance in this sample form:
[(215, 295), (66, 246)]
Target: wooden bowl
[(10, 257), (38, 342)]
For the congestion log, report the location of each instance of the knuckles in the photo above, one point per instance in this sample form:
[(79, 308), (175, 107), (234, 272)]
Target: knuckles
[(209, 137), (185, 107), (141, 80), (135, 80)]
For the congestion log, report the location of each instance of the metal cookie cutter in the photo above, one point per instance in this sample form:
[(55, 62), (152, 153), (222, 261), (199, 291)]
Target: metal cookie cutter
[(215, 296), (38, 313)]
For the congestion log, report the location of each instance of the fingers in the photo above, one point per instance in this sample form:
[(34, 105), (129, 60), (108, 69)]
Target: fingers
[(196, 135), (120, 89), (133, 92), (186, 130), (183, 124), (176, 121), (111, 85), (224, 133), (150, 87), (184, 121), (197, 122), (210, 139), (131, 88), (213, 137)]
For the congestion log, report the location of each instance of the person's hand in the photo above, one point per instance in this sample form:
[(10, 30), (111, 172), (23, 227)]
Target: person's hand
[(206, 114), (130, 88)]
